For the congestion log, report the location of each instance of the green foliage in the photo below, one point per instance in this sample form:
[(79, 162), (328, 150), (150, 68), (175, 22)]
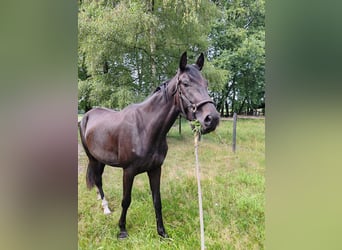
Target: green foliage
[(127, 48), (233, 187), (196, 126), (84, 95), (238, 40), (135, 45)]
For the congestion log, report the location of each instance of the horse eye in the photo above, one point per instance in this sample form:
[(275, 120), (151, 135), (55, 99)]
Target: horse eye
[(186, 84)]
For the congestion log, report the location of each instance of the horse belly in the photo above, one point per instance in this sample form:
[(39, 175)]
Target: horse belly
[(103, 149)]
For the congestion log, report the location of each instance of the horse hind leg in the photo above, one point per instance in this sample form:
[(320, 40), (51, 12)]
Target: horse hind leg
[(98, 184), (94, 177), (106, 209)]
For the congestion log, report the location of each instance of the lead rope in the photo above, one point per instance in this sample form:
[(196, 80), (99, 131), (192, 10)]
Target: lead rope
[(197, 132)]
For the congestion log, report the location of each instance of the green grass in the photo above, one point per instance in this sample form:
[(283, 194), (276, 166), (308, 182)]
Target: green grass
[(233, 187)]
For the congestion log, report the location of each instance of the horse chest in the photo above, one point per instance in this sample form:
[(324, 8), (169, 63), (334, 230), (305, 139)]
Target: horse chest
[(149, 158)]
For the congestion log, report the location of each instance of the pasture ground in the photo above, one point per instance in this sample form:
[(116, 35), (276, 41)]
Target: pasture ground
[(233, 187)]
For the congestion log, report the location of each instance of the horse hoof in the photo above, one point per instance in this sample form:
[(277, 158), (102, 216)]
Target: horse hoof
[(122, 235), (164, 235), (106, 211)]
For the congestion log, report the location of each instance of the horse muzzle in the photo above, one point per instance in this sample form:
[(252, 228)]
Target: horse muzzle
[(210, 122)]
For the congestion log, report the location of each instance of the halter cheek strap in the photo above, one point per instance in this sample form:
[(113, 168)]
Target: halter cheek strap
[(182, 99)]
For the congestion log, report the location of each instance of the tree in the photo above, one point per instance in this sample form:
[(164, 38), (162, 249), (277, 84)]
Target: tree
[(127, 48), (238, 46)]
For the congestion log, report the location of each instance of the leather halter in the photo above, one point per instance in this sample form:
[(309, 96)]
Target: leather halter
[(182, 99)]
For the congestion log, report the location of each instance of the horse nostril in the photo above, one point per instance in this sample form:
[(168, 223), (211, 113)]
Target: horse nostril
[(210, 122), (208, 119)]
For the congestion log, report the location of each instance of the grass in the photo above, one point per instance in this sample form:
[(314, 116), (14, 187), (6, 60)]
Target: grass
[(233, 187)]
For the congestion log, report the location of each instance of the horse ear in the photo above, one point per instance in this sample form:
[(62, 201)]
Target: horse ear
[(183, 61), (200, 61)]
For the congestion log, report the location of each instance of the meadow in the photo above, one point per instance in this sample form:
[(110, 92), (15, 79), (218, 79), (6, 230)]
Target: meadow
[(233, 187)]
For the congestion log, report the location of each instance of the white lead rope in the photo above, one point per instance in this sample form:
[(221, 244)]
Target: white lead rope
[(197, 135)]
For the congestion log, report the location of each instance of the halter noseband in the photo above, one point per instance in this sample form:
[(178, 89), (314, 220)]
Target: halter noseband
[(182, 98)]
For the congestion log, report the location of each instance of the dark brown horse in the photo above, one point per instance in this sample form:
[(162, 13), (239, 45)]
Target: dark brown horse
[(135, 138)]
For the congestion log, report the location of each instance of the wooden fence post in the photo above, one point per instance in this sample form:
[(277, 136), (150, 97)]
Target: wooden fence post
[(234, 131)]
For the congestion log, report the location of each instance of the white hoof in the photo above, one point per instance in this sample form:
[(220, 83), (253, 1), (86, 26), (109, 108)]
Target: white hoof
[(105, 206), (106, 211), (98, 197)]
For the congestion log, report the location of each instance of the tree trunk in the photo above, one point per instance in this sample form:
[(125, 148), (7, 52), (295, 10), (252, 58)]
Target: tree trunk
[(220, 104), (242, 105), (153, 49), (231, 88), (233, 102), (227, 108), (220, 107)]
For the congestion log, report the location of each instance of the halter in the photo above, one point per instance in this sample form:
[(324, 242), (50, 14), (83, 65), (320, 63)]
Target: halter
[(188, 104)]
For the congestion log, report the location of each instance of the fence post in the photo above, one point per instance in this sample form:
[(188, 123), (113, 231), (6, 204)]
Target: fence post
[(234, 131)]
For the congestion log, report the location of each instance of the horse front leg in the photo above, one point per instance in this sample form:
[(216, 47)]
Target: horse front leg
[(154, 178), (128, 179)]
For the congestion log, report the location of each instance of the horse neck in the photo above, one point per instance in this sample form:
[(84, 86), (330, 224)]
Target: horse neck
[(161, 105)]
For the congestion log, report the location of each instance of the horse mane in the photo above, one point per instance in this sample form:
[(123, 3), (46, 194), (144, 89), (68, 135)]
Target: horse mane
[(163, 87)]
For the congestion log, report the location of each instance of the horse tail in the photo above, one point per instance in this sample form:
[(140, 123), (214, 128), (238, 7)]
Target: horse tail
[(82, 124), (90, 177)]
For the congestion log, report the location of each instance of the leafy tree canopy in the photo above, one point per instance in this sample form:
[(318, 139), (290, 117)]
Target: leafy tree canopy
[(128, 47)]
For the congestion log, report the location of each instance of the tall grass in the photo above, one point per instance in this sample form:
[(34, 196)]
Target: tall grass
[(233, 187)]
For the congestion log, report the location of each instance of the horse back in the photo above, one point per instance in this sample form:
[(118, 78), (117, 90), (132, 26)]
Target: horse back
[(118, 138)]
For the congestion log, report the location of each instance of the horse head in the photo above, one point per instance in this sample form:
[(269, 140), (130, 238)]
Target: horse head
[(192, 95)]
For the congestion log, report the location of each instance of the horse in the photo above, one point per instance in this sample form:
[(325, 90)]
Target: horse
[(134, 138)]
